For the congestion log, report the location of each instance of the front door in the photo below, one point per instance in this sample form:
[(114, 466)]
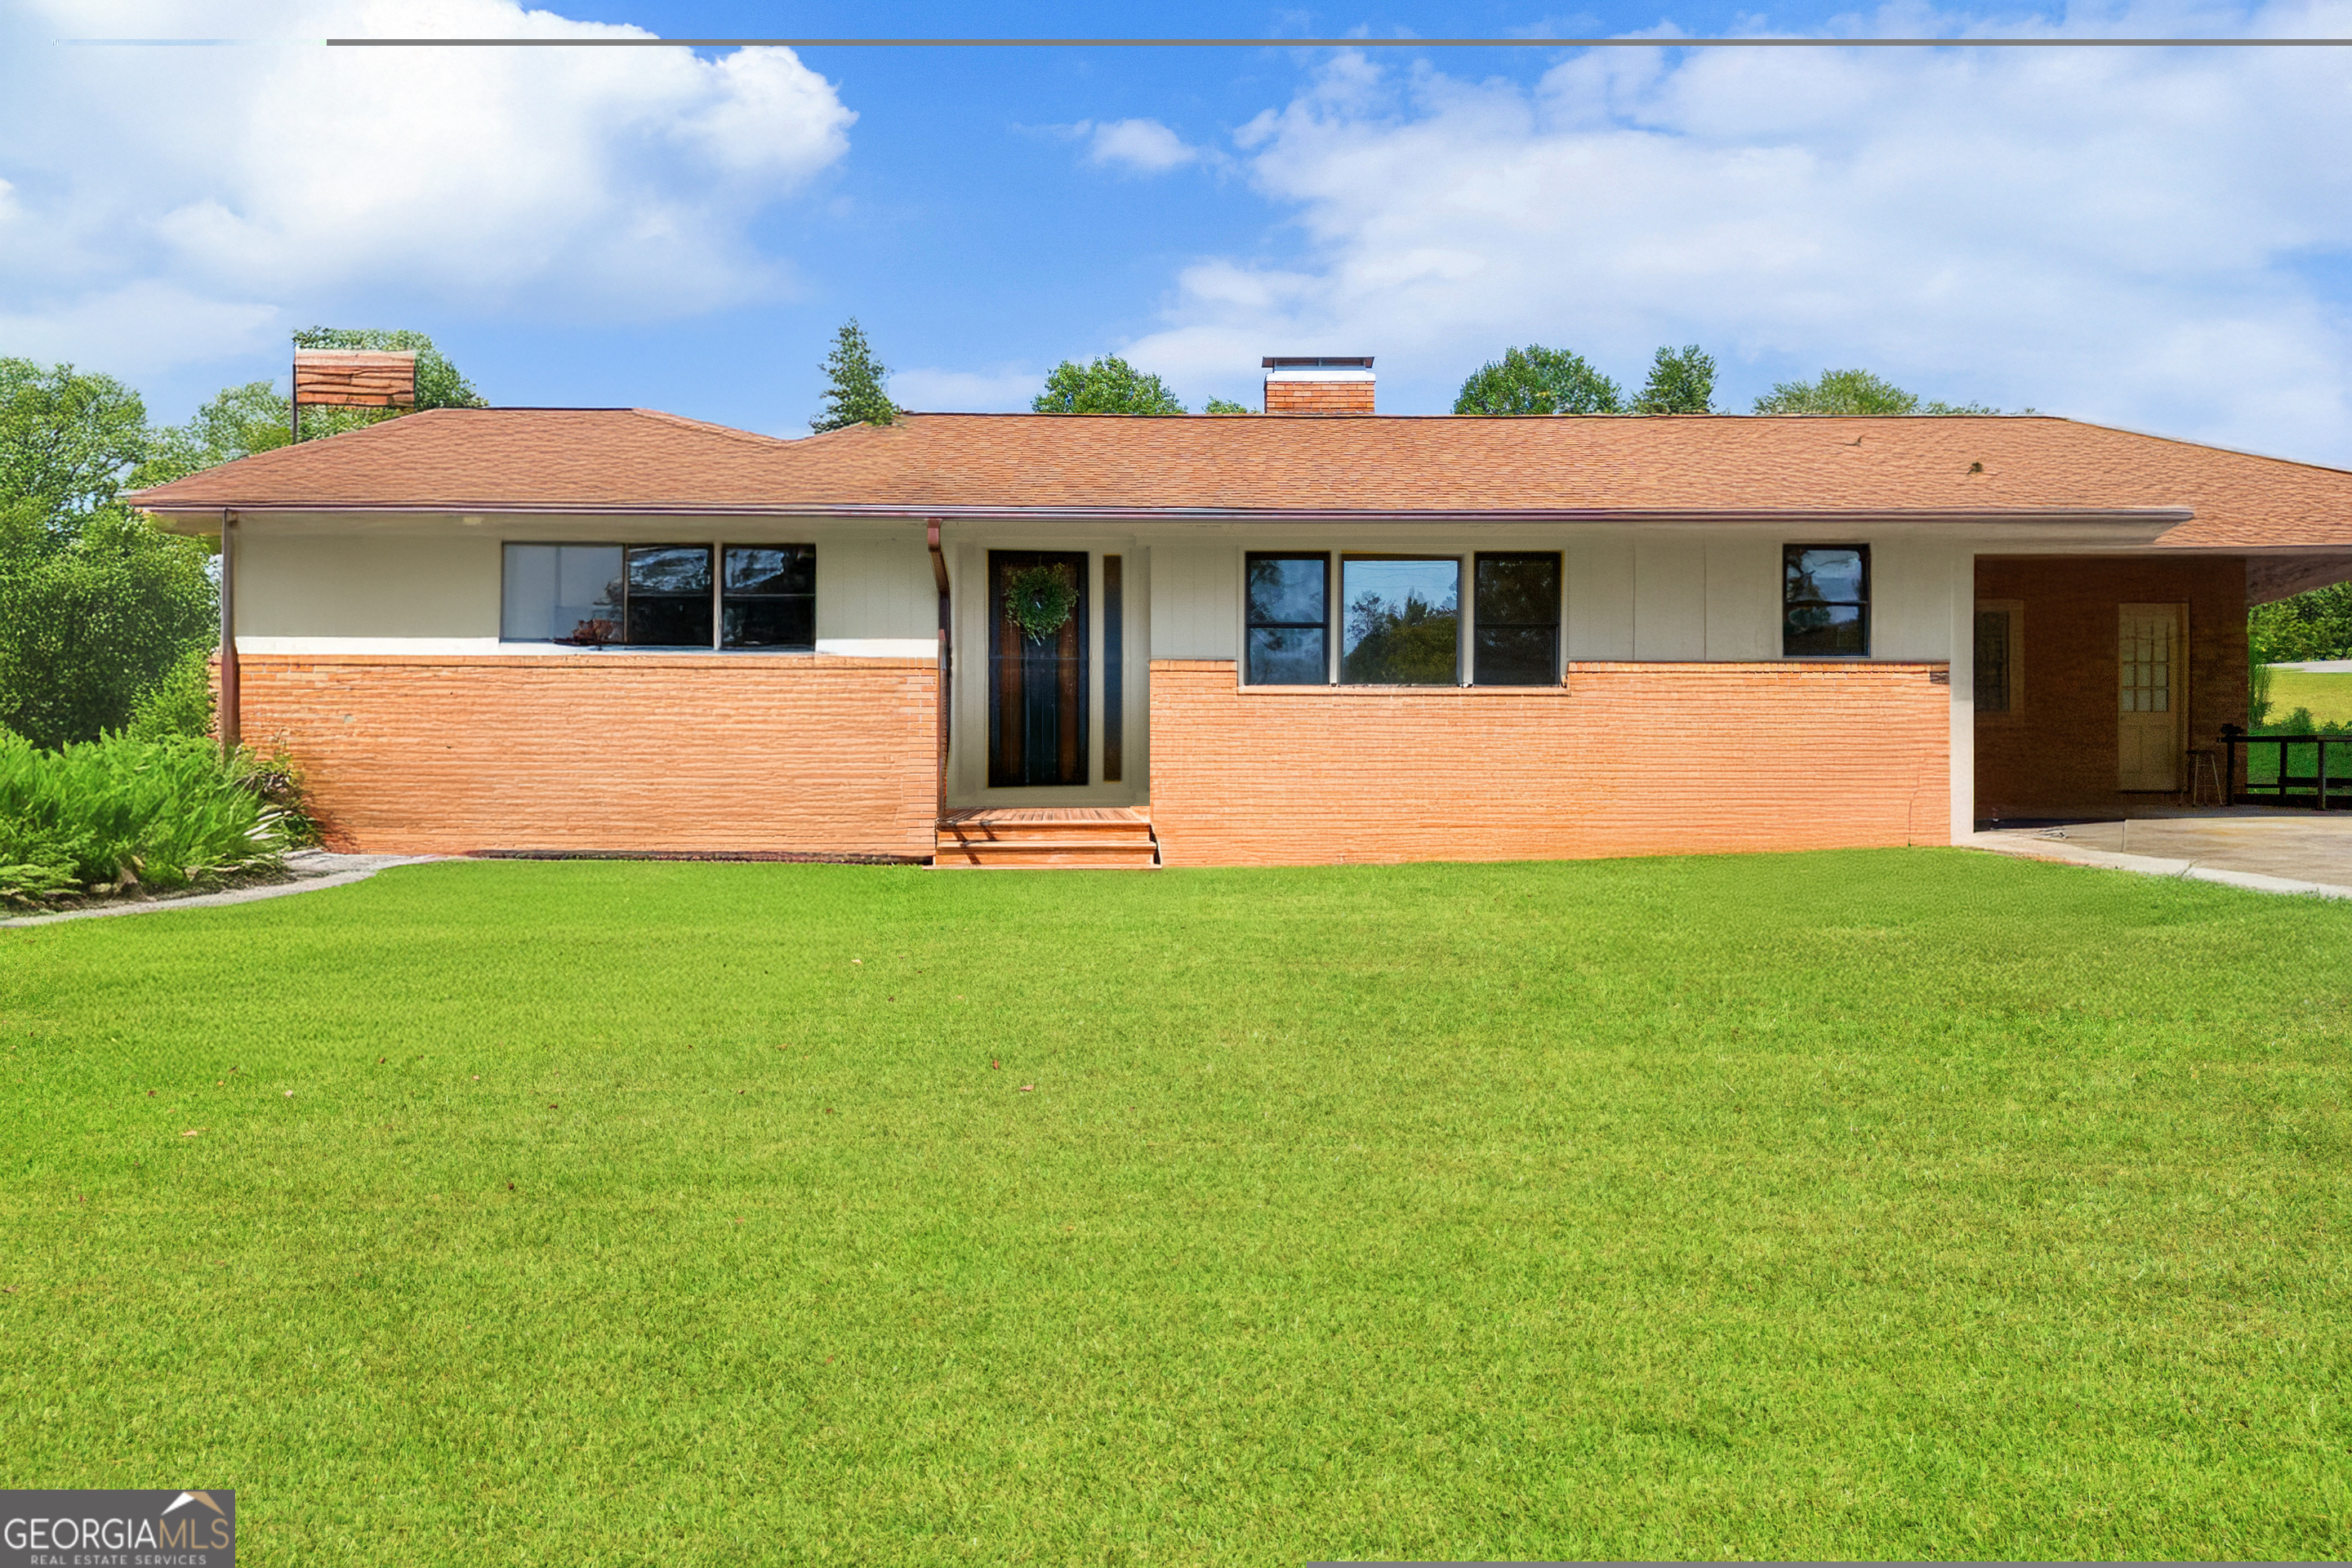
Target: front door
[(2151, 646), (1036, 676)]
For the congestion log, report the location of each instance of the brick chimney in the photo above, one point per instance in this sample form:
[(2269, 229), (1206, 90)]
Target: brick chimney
[(1319, 383)]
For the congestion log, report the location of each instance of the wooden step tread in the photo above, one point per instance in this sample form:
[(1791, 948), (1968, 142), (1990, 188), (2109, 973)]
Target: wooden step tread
[(1132, 859), (1016, 833), (1032, 852)]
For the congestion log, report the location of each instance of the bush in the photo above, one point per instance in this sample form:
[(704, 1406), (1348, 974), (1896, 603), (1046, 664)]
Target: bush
[(111, 815), (179, 705)]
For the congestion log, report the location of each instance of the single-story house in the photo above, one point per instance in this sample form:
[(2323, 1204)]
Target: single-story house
[(1306, 637)]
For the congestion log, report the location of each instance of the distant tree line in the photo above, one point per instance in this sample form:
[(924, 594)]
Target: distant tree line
[(1528, 379)]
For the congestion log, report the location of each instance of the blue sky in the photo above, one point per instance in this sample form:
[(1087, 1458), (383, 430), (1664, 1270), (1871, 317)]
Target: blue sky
[(2153, 238)]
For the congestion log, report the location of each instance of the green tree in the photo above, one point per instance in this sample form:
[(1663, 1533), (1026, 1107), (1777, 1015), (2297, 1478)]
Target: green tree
[(1855, 392), (2317, 624), (1682, 380), (1537, 380), (96, 604), (94, 619), (854, 378), (1224, 405), (239, 422), (69, 441), (1107, 385)]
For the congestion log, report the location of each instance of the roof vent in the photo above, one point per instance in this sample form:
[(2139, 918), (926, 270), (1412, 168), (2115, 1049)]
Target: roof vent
[(1319, 383)]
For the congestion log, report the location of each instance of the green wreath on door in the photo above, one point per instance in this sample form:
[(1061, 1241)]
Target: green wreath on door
[(1040, 600)]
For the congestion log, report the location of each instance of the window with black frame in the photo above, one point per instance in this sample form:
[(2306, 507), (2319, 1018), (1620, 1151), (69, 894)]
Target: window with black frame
[(1825, 593), (1515, 637), (768, 596), (669, 596), (660, 596), (1289, 628)]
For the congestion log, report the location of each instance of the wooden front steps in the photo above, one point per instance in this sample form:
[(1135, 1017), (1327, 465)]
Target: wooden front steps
[(1010, 837)]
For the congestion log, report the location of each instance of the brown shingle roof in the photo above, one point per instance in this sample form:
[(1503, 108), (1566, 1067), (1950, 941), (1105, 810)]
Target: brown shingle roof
[(636, 460)]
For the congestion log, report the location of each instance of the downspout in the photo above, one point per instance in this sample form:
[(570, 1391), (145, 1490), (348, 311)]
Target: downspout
[(939, 574), (231, 719)]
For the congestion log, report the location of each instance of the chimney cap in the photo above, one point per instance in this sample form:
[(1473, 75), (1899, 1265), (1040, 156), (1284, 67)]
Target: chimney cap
[(1317, 362)]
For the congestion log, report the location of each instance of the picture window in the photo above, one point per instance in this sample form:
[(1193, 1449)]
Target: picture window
[(1403, 621)]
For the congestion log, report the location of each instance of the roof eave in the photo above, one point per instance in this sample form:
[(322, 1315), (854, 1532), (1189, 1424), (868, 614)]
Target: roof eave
[(916, 513)]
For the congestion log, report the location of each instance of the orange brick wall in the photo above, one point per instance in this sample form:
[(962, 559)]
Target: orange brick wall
[(1319, 396), (675, 753), (2055, 755), (1626, 759)]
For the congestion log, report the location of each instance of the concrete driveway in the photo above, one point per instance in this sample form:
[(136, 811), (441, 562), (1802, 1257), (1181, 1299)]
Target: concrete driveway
[(2248, 847)]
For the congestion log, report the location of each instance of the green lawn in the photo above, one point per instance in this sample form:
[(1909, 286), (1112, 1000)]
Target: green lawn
[(2328, 697), (1920, 1203)]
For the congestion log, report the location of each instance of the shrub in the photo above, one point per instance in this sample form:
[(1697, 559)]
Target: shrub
[(109, 814), (181, 704)]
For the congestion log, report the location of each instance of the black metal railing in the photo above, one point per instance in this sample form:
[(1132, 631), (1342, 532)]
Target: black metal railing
[(2282, 781)]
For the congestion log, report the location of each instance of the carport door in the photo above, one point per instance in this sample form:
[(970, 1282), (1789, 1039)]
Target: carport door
[(2150, 648)]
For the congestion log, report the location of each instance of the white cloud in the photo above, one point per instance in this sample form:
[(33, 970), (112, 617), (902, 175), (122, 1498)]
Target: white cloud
[(139, 330), (256, 179), (1007, 390), (2152, 238), (1143, 146)]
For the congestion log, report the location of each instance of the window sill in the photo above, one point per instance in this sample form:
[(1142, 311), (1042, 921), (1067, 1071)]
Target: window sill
[(610, 650), (1359, 689)]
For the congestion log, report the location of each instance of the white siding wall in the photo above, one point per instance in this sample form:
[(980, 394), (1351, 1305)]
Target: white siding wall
[(1743, 596), (1670, 595), (366, 586), (1911, 596), (875, 588), (1195, 601), (1601, 596)]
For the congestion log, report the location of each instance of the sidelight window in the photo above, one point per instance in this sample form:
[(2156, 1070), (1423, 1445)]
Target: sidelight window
[(1999, 655)]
